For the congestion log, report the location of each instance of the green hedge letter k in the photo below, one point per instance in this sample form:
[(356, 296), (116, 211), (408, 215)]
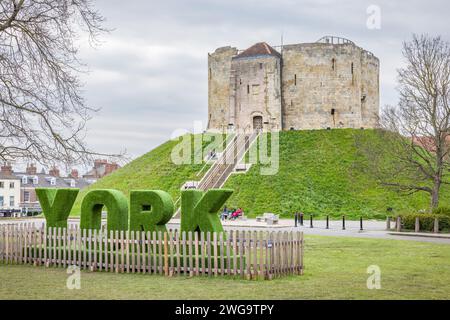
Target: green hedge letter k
[(199, 209)]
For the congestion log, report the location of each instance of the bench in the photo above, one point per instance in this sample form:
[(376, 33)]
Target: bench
[(270, 218)]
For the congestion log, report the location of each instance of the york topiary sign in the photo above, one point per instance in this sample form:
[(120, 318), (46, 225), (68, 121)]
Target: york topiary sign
[(147, 210)]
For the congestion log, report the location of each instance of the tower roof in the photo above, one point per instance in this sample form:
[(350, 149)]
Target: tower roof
[(259, 49)]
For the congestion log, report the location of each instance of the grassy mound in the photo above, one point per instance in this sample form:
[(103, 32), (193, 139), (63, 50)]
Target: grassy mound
[(316, 175)]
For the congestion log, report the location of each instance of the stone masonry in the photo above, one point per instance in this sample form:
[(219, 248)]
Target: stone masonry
[(331, 83)]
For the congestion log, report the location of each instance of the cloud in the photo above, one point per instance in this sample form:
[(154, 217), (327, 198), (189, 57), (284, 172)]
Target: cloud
[(149, 77)]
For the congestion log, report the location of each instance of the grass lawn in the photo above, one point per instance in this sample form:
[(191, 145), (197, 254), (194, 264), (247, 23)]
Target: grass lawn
[(335, 269)]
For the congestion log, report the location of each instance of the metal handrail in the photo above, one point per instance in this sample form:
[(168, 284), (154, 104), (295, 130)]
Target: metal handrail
[(244, 148), (211, 172), (206, 163)]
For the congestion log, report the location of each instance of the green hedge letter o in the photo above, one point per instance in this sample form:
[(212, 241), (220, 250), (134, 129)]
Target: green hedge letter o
[(114, 201)]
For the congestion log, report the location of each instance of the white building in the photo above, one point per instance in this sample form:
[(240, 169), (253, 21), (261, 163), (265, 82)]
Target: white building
[(9, 192)]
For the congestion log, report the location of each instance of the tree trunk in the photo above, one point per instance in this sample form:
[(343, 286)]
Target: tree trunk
[(435, 194)]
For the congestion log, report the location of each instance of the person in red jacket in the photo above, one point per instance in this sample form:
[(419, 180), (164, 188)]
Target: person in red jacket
[(236, 214)]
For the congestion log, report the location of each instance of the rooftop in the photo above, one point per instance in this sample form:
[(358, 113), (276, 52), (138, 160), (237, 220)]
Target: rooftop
[(258, 49), (43, 180)]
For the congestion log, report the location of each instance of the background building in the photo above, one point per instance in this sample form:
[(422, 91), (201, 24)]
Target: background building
[(331, 83), (102, 167), (9, 191), (18, 189), (31, 179)]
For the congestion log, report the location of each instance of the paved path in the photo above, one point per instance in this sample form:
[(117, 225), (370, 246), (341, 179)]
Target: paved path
[(372, 228)]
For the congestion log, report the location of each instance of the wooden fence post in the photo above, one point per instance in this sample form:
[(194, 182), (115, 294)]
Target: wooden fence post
[(172, 251), (117, 245), (302, 250), (215, 254), (196, 248), (149, 252), (166, 257), (191, 253), (138, 252), (156, 253), (184, 253), (417, 225), (94, 266), (222, 253), (177, 251)]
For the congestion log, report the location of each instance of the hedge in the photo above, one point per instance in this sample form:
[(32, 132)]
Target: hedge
[(92, 205), (150, 210), (442, 211), (56, 205), (426, 221), (199, 209)]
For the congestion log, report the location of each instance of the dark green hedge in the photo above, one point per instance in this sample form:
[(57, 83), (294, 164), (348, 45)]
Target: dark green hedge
[(426, 221), (442, 211), (114, 201), (150, 210), (199, 209), (56, 205)]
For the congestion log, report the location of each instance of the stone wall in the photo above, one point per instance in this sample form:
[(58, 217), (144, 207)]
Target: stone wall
[(370, 90), (255, 92), (219, 67), (319, 85)]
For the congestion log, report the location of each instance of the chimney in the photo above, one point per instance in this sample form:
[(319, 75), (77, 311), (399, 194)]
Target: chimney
[(31, 169), (6, 169), (74, 174), (54, 172)]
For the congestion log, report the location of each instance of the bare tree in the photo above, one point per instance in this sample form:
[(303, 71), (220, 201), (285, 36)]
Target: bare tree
[(43, 113), (413, 152)]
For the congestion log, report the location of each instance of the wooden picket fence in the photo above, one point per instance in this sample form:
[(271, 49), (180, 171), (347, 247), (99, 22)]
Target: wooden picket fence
[(245, 254)]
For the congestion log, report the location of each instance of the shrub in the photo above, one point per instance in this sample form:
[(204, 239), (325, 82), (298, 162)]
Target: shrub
[(199, 209), (114, 201), (150, 210), (442, 211), (426, 221), (56, 205)]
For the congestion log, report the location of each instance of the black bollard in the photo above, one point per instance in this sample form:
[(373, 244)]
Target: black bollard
[(296, 218), (311, 221), (343, 222), (361, 224), (328, 222), (301, 219)]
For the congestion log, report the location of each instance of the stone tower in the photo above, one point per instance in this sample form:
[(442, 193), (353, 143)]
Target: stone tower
[(331, 83)]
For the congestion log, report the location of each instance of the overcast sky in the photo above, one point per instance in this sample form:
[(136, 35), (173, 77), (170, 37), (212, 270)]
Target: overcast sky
[(149, 77)]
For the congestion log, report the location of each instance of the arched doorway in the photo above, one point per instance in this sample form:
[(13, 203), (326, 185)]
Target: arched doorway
[(257, 123)]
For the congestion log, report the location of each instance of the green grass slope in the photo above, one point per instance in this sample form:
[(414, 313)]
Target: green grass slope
[(316, 175)]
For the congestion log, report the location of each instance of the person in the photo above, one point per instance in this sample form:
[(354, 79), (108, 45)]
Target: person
[(224, 214), (212, 154), (236, 214)]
